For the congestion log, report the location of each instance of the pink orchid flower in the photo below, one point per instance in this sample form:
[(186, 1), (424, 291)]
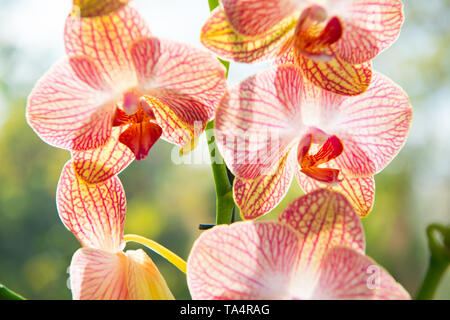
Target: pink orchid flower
[(314, 251), (275, 125), (101, 270), (332, 41), (92, 8), (120, 90)]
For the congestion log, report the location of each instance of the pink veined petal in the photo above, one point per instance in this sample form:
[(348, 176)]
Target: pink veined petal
[(98, 165), (254, 17), (92, 8), (257, 197), (348, 274), (373, 127), (71, 106), (369, 28), (259, 120), (219, 36), (98, 275), (95, 213), (323, 219), (184, 85), (246, 260), (360, 192), (106, 40), (145, 282)]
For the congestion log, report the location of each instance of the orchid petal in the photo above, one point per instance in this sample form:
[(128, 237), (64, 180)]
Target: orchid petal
[(94, 213), (220, 37), (334, 75), (257, 122), (323, 219), (373, 127), (92, 8), (106, 39), (70, 107), (348, 274), (360, 192), (257, 197), (243, 261), (145, 282), (98, 275), (98, 165), (254, 17), (370, 27)]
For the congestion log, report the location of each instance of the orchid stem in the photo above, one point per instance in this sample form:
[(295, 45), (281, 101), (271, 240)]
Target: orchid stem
[(224, 188), (438, 263), (159, 249)]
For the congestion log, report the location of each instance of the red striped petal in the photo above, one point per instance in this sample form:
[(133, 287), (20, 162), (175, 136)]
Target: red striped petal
[(348, 274), (106, 40), (145, 282), (370, 27), (92, 8), (98, 275), (70, 106), (373, 127), (258, 121), (219, 36), (257, 197), (324, 219), (360, 192), (98, 165), (95, 213), (243, 261), (254, 17)]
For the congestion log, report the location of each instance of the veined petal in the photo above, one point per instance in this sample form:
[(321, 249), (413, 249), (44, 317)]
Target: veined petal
[(257, 197), (219, 36), (254, 17), (335, 75), (92, 8), (373, 127), (165, 66), (71, 107), (246, 260), (370, 27), (360, 192), (95, 213), (98, 165), (348, 274), (323, 219), (106, 40), (145, 282), (259, 120), (98, 275)]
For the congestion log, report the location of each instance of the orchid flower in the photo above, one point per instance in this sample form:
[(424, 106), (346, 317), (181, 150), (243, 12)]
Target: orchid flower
[(101, 270), (332, 41), (120, 90), (314, 251), (275, 125)]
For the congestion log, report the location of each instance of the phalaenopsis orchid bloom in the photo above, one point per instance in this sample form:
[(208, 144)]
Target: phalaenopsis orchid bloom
[(95, 213), (314, 251), (275, 125), (93, 8), (332, 41), (120, 90)]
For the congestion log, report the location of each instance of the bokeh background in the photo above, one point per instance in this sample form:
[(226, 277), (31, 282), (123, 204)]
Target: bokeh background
[(167, 201)]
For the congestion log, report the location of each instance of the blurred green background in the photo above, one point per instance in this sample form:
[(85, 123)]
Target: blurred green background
[(166, 202)]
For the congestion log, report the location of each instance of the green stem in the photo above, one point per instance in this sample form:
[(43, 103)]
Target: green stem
[(7, 294), (438, 263), (224, 189)]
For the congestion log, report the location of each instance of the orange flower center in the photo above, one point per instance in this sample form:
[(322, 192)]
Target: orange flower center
[(309, 163), (142, 132)]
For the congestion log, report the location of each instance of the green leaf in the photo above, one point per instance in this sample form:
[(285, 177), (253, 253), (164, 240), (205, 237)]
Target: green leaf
[(7, 294)]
